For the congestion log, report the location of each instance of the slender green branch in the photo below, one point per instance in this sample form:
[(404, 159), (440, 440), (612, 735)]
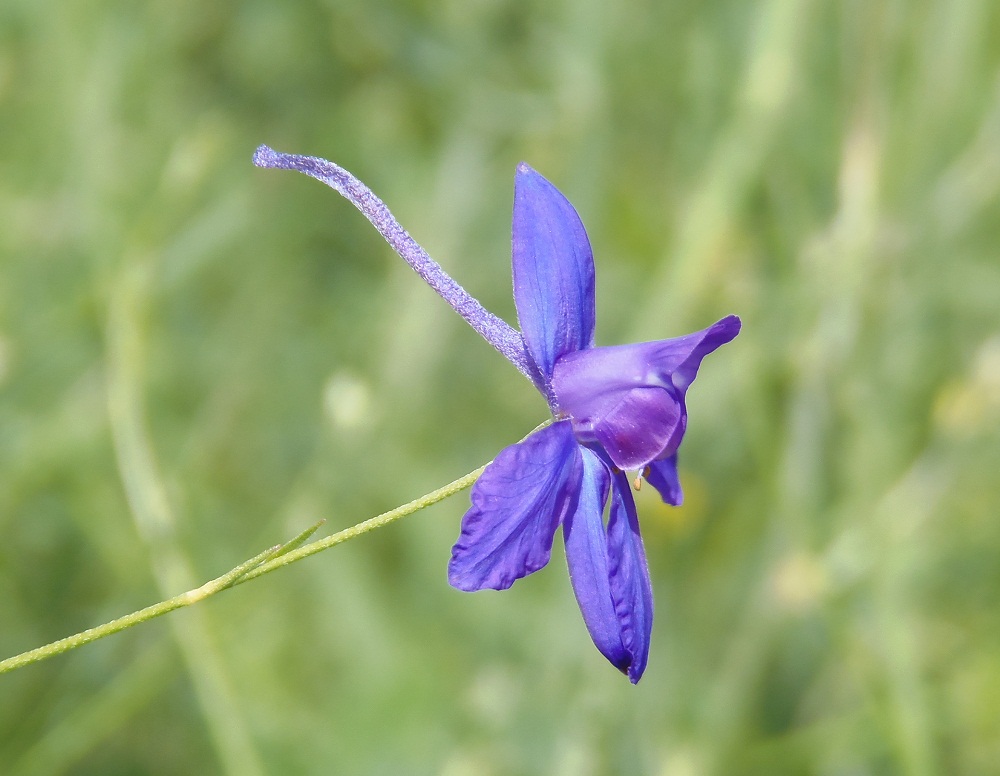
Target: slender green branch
[(261, 564), (264, 563), (284, 558), (156, 610)]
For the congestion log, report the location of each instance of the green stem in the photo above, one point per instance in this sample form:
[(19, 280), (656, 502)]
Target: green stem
[(291, 556), (261, 564)]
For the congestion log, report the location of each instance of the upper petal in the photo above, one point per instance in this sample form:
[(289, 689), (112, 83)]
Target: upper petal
[(637, 426), (553, 272), (517, 504), (631, 591), (587, 558), (630, 398)]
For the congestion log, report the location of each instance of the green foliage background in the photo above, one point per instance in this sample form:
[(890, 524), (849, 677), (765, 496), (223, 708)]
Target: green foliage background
[(199, 358)]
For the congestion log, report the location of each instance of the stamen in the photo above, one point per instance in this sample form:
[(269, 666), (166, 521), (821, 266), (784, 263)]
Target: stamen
[(637, 482)]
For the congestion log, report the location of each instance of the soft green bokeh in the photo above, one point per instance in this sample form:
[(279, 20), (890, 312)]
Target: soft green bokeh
[(198, 359)]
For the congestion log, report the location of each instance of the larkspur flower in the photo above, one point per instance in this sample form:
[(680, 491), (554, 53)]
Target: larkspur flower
[(615, 409)]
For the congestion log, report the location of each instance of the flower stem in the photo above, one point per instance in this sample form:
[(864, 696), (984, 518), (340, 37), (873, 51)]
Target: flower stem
[(285, 558), (265, 562)]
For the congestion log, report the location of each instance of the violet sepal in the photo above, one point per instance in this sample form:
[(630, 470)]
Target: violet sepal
[(553, 270), (517, 505)]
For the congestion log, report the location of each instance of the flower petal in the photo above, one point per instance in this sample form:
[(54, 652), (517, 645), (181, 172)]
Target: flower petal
[(631, 591), (587, 558), (553, 272), (662, 475), (517, 504), (639, 426), (630, 398)]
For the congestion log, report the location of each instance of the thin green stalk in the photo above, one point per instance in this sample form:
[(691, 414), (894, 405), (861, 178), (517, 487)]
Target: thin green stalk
[(156, 610), (264, 563), (285, 558), (261, 564)]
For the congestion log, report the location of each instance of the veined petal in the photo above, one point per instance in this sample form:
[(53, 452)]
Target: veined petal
[(587, 558), (662, 475), (553, 272), (517, 504), (631, 591), (630, 398)]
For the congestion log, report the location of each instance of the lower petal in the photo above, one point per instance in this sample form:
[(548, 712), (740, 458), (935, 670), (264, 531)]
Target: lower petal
[(517, 504), (662, 475), (631, 591)]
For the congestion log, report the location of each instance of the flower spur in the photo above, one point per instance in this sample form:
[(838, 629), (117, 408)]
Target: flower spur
[(616, 409)]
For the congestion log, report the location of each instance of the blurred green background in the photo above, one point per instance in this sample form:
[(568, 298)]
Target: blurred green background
[(198, 359)]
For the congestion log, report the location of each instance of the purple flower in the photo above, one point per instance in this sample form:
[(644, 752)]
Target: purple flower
[(615, 409)]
